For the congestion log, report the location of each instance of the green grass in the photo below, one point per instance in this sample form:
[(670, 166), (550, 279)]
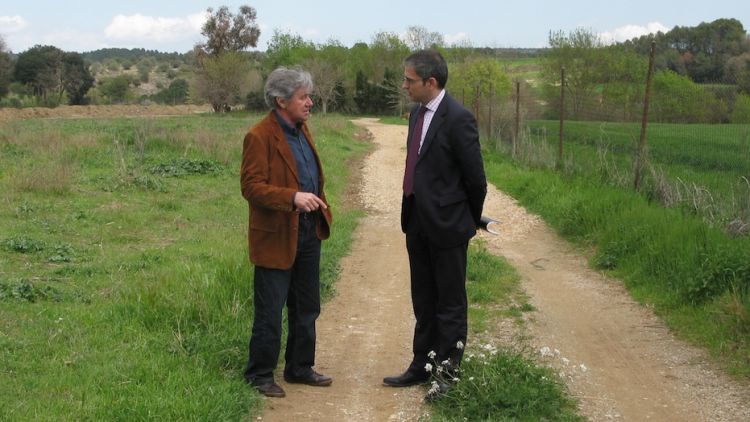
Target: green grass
[(125, 288), (704, 164), (696, 277), (504, 384)]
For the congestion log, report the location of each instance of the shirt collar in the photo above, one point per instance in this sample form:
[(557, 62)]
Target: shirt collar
[(433, 104), (285, 126)]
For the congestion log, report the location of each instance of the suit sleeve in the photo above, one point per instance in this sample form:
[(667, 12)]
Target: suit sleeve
[(469, 155)]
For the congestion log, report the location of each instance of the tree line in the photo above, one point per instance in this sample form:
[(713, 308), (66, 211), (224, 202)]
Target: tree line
[(366, 77)]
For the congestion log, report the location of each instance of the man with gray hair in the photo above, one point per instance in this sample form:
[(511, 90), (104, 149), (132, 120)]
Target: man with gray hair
[(282, 180)]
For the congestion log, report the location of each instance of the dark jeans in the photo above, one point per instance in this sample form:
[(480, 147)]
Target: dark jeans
[(299, 288)]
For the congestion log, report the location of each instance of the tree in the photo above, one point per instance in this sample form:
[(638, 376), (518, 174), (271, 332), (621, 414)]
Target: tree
[(677, 99), (76, 78), (40, 67), (327, 70), (229, 33), (287, 49), (221, 80), (577, 52), (419, 38), (227, 36), (6, 69), (116, 88), (176, 93)]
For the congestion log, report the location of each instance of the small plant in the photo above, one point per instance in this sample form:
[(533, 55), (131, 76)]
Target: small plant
[(23, 244)]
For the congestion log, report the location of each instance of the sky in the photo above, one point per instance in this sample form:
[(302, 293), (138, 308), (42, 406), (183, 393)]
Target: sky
[(174, 26)]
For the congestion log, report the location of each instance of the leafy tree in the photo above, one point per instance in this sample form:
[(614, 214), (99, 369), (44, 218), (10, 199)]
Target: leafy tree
[(227, 35), (40, 67), (699, 52), (579, 53), (485, 74), (116, 88), (6, 69), (76, 78), (677, 99), (176, 93), (226, 32), (221, 79), (287, 49)]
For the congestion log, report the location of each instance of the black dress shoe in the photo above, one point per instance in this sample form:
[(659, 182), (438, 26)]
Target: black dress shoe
[(313, 378), (406, 379), (270, 389)]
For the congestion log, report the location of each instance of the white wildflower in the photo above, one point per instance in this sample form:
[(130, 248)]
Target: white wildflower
[(428, 367), (439, 369), (565, 361), (471, 378), (434, 389), (456, 379), (584, 368), (432, 354), (445, 362), (459, 345), (545, 351)]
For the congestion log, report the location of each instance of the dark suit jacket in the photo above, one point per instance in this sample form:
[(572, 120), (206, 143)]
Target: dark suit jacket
[(269, 180), (449, 180)]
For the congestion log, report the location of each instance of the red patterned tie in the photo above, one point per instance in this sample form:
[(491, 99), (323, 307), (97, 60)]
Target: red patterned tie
[(413, 154)]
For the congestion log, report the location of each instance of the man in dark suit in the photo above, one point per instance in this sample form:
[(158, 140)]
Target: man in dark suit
[(282, 180), (444, 191)]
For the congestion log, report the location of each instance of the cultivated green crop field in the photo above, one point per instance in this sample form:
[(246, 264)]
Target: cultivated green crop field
[(693, 156)]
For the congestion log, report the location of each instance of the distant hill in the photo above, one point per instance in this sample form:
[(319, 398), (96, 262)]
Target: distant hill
[(133, 54)]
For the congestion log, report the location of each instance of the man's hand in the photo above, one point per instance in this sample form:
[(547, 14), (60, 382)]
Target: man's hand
[(307, 202)]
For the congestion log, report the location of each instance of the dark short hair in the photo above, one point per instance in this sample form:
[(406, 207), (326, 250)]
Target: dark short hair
[(284, 82), (429, 64)]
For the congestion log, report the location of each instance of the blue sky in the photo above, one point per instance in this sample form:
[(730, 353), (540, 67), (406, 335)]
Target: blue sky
[(84, 25)]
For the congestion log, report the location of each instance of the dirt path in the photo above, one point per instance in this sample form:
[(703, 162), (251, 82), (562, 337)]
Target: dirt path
[(618, 358)]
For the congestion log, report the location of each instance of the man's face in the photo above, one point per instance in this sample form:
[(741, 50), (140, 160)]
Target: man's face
[(297, 108), (414, 85)]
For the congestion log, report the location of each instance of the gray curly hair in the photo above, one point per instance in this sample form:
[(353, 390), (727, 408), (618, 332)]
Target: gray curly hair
[(283, 83)]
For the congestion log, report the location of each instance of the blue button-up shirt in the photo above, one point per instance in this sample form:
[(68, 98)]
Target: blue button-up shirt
[(307, 167)]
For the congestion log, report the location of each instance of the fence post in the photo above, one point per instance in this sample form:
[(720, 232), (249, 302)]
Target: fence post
[(489, 113), (562, 117), (640, 152), (476, 110), (518, 118)]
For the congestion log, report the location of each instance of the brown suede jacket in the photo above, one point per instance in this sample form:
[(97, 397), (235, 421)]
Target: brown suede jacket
[(269, 181)]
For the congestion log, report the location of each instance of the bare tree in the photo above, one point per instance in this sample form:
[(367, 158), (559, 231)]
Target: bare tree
[(419, 38)]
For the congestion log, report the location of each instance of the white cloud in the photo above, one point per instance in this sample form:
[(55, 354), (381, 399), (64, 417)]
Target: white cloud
[(139, 28), (12, 24), (628, 32)]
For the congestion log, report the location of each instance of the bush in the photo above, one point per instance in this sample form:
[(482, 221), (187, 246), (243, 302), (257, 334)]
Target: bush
[(255, 101), (741, 112)]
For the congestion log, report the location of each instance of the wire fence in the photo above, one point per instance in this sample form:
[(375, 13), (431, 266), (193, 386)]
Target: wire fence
[(678, 143)]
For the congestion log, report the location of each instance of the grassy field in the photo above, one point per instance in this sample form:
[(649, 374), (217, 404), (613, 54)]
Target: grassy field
[(125, 288)]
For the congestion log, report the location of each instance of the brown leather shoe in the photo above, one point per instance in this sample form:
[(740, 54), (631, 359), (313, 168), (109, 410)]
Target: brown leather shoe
[(270, 389), (406, 379), (313, 378)]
